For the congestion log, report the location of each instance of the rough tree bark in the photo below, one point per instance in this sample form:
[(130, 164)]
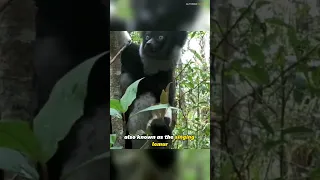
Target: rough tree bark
[(117, 41), (16, 38)]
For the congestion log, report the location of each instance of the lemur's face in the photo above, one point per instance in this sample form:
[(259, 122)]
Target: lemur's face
[(161, 44)]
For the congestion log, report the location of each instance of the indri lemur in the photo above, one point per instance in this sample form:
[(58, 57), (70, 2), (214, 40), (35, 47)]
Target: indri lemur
[(148, 164), (164, 15), (155, 59)]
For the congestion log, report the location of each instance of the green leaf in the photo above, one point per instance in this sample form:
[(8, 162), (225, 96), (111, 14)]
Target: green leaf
[(113, 138), (196, 54), (18, 135), (155, 107), (13, 161), (264, 122), (115, 104), (64, 107), (193, 34), (130, 95), (115, 113), (117, 147), (297, 129), (255, 53)]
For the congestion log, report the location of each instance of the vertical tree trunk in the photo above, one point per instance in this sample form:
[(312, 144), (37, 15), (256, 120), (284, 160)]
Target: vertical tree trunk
[(118, 39), (16, 38)]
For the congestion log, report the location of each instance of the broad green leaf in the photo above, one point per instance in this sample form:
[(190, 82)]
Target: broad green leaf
[(13, 161), (155, 107), (117, 147), (64, 107), (264, 122), (255, 53), (115, 113), (130, 95), (18, 135), (115, 104), (297, 129)]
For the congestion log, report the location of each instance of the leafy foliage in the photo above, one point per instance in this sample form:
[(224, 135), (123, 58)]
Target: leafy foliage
[(267, 90), (65, 105)]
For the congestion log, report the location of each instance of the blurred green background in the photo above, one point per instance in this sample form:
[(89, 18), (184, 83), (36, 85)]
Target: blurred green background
[(194, 164), (124, 11)]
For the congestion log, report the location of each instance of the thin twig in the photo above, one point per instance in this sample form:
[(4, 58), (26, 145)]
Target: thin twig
[(123, 47)]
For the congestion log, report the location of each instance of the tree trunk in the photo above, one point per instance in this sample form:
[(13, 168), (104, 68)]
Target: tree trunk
[(17, 35), (16, 38), (118, 39)]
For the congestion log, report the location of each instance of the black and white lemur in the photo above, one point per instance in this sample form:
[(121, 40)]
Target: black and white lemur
[(154, 59)]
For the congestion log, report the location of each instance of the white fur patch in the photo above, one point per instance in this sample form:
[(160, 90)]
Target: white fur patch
[(155, 116), (169, 115)]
